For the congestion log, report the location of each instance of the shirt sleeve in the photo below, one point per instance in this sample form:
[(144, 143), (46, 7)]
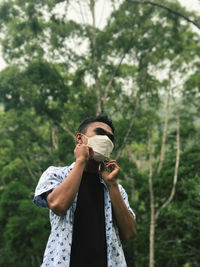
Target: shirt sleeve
[(125, 198), (49, 180)]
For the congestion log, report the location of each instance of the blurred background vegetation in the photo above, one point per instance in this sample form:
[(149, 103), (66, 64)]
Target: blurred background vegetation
[(141, 68)]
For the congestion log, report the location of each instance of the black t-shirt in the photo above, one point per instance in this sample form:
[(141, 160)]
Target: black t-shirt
[(89, 236)]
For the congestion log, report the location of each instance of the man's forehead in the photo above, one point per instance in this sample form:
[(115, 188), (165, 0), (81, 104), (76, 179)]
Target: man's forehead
[(92, 126)]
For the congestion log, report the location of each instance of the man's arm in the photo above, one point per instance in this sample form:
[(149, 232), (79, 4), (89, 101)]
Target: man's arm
[(62, 197), (124, 219)]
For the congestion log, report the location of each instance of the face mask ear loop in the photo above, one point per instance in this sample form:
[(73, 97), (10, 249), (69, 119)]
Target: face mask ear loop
[(84, 135), (100, 167)]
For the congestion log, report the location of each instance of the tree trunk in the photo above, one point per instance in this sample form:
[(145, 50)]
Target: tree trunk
[(94, 57), (152, 219), (166, 203), (162, 152), (132, 182)]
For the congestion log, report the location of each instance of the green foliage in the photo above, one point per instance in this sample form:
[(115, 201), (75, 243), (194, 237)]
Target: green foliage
[(40, 86), (23, 225)]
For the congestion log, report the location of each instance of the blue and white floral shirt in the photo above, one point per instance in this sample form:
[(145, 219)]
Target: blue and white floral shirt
[(58, 247)]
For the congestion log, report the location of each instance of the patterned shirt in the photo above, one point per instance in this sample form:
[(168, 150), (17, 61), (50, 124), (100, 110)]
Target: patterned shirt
[(58, 247)]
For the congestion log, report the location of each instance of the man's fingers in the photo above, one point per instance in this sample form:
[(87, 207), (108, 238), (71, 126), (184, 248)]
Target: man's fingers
[(112, 164), (82, 150), (113, 167)]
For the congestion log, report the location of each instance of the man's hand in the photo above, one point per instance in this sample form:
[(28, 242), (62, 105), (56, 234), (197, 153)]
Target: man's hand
[(124, 219), (83, 152), (62, 197), (109, 172)]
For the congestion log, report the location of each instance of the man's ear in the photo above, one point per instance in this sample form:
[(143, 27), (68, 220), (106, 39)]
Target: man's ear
[(79, 138)]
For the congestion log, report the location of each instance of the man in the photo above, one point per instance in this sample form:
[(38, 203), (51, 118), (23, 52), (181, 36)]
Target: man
[(89, 210)]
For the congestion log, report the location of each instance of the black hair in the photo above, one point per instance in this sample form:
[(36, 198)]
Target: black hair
[(101, 118)]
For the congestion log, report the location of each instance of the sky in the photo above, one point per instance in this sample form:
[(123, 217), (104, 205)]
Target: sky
[(103, 7), (191, 4)]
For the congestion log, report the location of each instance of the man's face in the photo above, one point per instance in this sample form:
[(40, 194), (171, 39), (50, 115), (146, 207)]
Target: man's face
[(98, 128)]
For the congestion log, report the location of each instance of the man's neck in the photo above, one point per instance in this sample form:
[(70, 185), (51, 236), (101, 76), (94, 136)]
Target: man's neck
[(92, 166)]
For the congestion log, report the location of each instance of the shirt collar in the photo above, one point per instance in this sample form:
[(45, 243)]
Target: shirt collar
[(100, 177)]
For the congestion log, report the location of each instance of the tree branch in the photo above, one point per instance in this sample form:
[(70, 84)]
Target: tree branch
[(26, 165), (115, 71), (54, 137), (111, 79), (130, 128), (30, 155), (166, 8), (66, 129)]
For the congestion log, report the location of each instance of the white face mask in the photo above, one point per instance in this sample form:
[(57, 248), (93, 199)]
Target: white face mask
[(102, 146)]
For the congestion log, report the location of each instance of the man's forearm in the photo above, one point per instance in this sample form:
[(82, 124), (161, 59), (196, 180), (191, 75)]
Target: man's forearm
[(124, 219), (61, 198)]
